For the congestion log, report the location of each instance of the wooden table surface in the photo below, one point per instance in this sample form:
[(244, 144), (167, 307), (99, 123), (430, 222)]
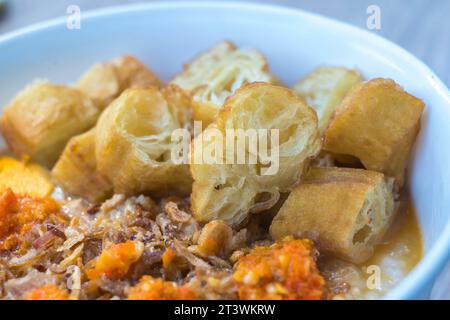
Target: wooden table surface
[(420, 26)]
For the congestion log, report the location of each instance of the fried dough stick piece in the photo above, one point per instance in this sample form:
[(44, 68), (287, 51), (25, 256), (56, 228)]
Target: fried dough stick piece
[(41, 119), (230, 191), (134, 146), (103, 82), (346, 211), (324, 88), (377, 123), (76, 170), (218, 73)]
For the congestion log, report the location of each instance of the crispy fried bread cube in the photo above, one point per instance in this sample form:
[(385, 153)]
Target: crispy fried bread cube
[(217, 73), (324, 88), (230, 190), (194, 72), (377, 123), (103, 82), (133, 142), (76, 170), (43, 117), (346, 211)]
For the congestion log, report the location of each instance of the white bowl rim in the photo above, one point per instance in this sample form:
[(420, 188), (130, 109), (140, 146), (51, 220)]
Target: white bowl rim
[(433, 261)]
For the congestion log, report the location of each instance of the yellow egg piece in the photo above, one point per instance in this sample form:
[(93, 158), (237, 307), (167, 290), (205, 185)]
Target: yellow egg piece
[(24, 178)]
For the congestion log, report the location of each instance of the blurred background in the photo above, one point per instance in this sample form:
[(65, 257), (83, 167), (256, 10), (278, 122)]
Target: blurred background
[(420, 26)]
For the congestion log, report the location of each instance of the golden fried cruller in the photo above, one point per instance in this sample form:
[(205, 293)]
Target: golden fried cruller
[(41, 119), (230, 191), (103, 82), (324, 88), (76, 170), (346, 211), (133, 142), (217, 73), (377, 123)]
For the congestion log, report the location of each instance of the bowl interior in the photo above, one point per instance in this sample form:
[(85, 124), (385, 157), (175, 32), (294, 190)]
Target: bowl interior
[(166, 35)]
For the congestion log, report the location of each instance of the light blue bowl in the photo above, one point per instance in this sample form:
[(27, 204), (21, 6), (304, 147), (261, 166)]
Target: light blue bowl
[(165, 35)]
